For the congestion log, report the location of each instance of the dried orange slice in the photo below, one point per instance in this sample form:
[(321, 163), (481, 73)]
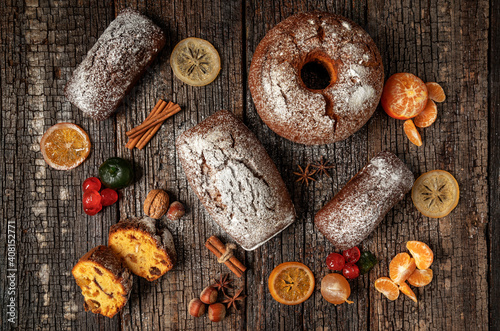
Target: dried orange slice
[(435, 193), (427, 116), (406, 290), (195, 61), (387, 287), (64, 146), (401, 267), (420, 278), (404, 96), (436, 92), (412, 133), (422, 254), (291, 283)]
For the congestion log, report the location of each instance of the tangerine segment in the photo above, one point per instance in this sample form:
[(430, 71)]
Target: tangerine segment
[(387, 287), (435, 194), (422, 254), (64, 146), (436, 92), (291, 283), (420, 278), (427, 116), (401, 267), (406, 290), (412, 133), (404, 96)]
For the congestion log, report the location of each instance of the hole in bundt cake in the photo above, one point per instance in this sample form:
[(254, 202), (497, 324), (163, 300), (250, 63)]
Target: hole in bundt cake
[(315, 75)]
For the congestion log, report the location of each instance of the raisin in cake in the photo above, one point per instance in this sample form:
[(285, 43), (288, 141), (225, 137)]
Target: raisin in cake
[(105, 282), (114, 64), (235, 179), (147, 250), (363, 202)]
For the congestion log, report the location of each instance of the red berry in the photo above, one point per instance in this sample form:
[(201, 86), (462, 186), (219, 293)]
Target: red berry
[(109, 197), (91, 183), (92, 211), (335, 261), (352, 255), (350, 271), (92, 199)]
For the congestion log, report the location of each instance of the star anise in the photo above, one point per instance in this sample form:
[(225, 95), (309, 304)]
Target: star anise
[(322, 166), (222, 283), (305, 175), (231, 301)]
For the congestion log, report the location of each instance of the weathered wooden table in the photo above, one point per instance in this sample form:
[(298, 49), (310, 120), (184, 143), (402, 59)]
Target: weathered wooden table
[(451, 42)]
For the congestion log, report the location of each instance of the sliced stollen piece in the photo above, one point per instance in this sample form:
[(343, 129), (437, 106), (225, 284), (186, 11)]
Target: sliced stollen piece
[(104, 280), (363, 202), (114, 64), (237, 182), (147, 250)]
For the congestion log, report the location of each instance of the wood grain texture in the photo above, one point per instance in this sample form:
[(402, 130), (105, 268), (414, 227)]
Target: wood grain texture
[(451, 42)]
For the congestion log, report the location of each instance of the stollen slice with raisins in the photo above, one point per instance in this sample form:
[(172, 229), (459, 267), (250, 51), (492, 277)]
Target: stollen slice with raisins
[(195, 61)]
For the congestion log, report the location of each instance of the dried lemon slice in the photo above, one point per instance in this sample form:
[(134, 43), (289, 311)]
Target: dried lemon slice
[(195, 61), (435, 193)]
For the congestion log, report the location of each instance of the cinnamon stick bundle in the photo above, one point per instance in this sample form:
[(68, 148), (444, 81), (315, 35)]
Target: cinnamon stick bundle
[(220, 250), (142, 134)]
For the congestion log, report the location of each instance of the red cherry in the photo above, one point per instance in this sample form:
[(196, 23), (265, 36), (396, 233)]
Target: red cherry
[(335, 261), (352, 255), (350, 271), (92, 199), (92, 211), (109, 197), (91, 183)]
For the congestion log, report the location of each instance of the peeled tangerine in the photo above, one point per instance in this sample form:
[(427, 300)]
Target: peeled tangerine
[(335, 289)]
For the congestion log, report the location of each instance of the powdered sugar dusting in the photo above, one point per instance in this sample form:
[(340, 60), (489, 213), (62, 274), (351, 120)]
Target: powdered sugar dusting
[(360, 206), (235, 179), (300, 114), (114, 64)]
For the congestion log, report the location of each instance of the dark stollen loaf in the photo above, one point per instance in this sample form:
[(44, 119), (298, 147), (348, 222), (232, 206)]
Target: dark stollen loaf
[(235, 179), (363, 202), (114, 64)]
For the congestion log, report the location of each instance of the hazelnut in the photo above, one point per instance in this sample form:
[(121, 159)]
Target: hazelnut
[(176, 211), (209, 295), (216, 312), (196, 308), (156, 204)]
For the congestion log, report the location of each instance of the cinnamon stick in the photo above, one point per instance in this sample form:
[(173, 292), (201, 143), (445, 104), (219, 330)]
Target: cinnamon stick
[(218, 248), (132, 142), (152, 131), (158, 118), (146, 137)]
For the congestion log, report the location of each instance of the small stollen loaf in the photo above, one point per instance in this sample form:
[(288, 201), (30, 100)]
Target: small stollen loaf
[(235, 179), (363, 202), (114, 64)]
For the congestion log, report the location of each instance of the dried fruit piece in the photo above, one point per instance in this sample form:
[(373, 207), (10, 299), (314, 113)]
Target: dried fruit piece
[(387, 287), (366, 262), (427, 116), (422, 254), (412, 133), (196, 308), (92, 183), (404, 96), (109, 196), (195, 61), (350, 271), (291, 283), (420, 278), (352, 255), (335, 261), (436, 92), (401, 267), (335, 289), (65, 146), (406, 290), (435, 194)]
